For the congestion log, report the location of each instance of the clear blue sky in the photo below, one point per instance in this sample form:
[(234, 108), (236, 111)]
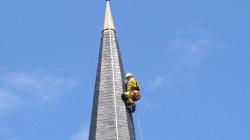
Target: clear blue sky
[(192, 58)]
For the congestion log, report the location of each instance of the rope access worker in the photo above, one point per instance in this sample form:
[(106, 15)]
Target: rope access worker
[(132, 92)]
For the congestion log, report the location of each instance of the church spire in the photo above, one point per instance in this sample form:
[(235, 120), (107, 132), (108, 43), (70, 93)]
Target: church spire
[(110, 118), (108, 20)]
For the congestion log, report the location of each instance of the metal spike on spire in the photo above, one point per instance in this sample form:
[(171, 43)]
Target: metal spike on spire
[(108, 23)]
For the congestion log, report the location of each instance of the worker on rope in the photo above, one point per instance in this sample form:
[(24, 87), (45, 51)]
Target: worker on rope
[(132, 93)]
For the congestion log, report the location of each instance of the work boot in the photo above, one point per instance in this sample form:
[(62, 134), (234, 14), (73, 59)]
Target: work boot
[(130, 105), (133, 108)]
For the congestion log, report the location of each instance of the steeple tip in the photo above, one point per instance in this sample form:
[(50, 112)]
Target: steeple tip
[(108, 23)]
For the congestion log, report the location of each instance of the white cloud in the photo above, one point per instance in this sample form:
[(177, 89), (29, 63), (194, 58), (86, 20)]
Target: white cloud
[(8, 100), (81, 135), (155, 83), (18, 88), (190, 47), (187, 52)]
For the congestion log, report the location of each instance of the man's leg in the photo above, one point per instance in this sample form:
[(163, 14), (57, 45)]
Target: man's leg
[(124, 97), (127, 98), (136, 96)]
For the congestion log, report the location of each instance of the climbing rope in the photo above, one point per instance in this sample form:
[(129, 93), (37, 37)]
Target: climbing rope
[(137, 116)]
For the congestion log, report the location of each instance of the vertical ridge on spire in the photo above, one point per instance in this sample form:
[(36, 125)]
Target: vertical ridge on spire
[(108, 23)]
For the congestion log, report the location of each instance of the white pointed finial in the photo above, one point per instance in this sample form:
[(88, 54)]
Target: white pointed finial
[(108, 23)]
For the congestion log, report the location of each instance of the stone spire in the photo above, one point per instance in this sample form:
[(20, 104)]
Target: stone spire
[(110, 118)]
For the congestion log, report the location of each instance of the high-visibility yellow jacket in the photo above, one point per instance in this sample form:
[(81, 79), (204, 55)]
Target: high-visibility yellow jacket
[(133, 85)]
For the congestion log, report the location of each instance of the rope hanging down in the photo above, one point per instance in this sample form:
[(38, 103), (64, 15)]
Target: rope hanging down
[(139, 124)]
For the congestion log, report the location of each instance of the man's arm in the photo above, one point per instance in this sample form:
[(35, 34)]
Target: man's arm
[(130, 85)]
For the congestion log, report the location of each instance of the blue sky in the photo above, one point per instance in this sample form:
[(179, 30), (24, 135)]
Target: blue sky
[(190, 57)]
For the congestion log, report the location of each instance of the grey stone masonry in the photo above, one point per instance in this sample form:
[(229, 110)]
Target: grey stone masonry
[(110, 120)]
